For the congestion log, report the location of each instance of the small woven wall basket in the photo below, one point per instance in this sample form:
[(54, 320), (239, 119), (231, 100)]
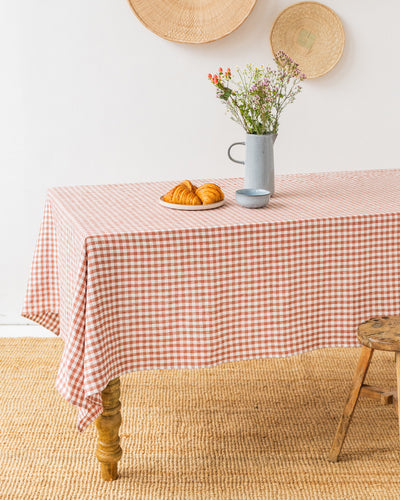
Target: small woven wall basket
[(192, 21), (311, 34)]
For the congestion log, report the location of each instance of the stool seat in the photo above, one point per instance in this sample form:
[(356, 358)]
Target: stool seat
[(382, 333)]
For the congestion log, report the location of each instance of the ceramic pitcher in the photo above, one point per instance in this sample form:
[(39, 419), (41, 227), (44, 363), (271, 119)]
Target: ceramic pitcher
[(259, 161)]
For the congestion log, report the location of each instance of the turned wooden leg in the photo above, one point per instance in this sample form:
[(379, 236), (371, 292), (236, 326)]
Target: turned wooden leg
[(397, 402), (358, 380), (108, 449)]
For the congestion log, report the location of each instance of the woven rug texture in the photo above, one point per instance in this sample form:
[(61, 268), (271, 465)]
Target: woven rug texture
[(249, 430)]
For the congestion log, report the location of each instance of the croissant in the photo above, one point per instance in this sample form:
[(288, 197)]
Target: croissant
[(182, 194), (189, 185), (209, 193)]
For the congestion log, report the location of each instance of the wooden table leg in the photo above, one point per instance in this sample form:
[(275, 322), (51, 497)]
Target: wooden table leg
[(108, 450), (397, 402)]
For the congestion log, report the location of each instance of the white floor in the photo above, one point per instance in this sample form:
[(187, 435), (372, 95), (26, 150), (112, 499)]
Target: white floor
[(24, 331)]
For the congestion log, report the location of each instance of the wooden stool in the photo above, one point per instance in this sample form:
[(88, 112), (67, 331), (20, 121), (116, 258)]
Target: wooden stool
[(381, 333)]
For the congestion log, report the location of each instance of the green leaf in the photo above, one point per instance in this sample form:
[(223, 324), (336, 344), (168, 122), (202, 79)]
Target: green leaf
[(227, 93)]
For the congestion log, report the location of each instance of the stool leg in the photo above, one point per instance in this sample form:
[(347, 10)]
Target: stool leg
[(398, 384), (358, 380)]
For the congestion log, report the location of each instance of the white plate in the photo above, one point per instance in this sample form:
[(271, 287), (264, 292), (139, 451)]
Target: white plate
[(175, 206)]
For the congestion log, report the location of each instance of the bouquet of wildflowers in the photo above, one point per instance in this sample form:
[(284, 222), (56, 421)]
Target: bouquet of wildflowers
[(258, 98)]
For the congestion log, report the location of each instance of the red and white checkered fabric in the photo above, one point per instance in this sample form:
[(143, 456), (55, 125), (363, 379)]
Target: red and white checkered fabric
[(131, 285)]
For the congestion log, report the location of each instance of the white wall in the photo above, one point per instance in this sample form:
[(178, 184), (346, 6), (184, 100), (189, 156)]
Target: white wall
[(88, 96)]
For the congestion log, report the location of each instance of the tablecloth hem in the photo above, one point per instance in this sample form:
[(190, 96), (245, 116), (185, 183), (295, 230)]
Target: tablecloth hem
[(89, 414), (49, 320)]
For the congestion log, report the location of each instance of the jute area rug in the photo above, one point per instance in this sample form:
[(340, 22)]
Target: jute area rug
[(241, 431)]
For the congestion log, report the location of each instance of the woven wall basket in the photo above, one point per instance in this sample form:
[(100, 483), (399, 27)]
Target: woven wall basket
[(192, 21), (311, 34)]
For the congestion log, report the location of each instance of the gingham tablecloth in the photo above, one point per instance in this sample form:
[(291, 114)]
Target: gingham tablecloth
[(131, 285)]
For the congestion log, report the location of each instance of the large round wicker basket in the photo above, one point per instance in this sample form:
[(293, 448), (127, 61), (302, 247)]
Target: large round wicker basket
[(311, 34), (192, 21)]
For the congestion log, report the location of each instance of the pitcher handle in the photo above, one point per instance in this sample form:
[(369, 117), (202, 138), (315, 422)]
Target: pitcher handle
[(229, 152)]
